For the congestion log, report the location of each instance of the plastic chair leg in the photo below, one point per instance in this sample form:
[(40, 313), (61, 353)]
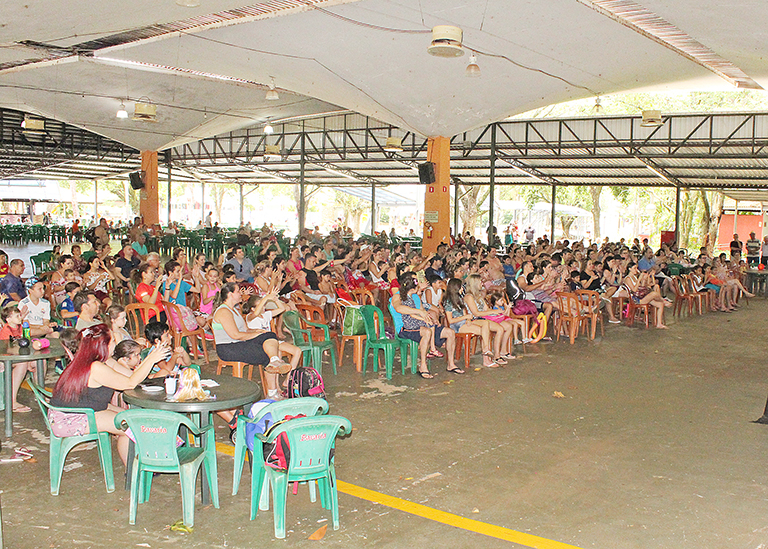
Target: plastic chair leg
[(365, 357), (134, 493), (209, 463), (279, 483), (317, 359), (239, 457), (105, 456), (389, 360), (333, 358), (334, 496), (187, 479), (56, 465)]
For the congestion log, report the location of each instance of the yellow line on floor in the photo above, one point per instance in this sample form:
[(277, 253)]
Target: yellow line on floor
[(506, 534)]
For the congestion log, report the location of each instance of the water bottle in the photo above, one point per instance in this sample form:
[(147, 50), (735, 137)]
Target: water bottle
[(25, 330)]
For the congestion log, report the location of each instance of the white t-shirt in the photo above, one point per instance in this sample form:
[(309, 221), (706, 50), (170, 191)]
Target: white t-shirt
[(39, 314), (261, 322)]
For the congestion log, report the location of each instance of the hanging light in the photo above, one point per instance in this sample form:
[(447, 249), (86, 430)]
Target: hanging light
[(473, 70), (268, 129), (272, 92), (188, 3), (122, 114), (598, 108)]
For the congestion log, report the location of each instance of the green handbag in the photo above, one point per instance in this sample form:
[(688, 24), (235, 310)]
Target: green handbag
[(353, 321)]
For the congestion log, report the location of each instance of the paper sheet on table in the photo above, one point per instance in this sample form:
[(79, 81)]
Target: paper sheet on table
[(208, 383)]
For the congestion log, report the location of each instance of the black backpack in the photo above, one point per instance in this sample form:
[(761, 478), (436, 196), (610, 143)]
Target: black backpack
[(305, 381)]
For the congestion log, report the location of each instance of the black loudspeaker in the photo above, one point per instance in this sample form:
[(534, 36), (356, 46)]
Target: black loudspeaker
[(427, 173), (137, 182)]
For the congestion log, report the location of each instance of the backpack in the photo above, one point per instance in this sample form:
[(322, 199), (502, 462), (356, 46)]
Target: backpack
[(514, 291), (90, 236), (305, 381), (278, 453), (525, 307)]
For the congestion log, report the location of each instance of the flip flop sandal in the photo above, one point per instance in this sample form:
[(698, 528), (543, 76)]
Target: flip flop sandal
[(430, 354), (501, 361), (455, 370), (425, 375), (437, 354)]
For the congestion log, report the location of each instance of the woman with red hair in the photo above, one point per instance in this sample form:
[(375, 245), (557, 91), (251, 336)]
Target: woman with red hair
[(93, 376)]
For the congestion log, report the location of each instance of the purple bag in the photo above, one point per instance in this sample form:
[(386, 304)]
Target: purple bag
[(524, 307)]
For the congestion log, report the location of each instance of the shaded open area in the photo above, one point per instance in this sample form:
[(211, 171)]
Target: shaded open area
[(652, 447)]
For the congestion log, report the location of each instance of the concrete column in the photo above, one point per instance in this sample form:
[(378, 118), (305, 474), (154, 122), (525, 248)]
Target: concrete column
[(149, 202), (437, 198), (736, 219), (456, 209), (96, 199), (241, 204)]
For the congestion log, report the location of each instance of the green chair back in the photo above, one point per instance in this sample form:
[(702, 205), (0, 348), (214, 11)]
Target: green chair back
[(311, 349), (309, 406), (155, 433), (60, 446), (406, 345), (376, 339), (311, 440)]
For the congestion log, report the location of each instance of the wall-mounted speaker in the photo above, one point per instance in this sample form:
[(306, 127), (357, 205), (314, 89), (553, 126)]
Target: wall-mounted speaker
[(427, 173), (137, 182)]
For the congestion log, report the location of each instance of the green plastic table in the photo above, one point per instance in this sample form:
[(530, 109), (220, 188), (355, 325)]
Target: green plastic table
[(231, 393), (11, 354)]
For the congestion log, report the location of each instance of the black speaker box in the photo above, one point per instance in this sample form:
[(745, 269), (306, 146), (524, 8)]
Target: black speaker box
[(137, 182), (427, 173)]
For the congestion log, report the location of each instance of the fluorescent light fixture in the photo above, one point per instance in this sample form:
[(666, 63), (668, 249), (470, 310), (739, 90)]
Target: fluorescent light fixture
[(33, 125), (188, 3), (651, 119), (393, 144)]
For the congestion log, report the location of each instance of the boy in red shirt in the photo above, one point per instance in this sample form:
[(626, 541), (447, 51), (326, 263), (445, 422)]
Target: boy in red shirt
[(12, 328)]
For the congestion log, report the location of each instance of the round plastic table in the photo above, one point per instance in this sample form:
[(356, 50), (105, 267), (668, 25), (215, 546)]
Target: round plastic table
[(232, 392), (11, 354)]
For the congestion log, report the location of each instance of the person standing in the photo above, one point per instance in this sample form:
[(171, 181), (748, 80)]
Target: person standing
[(753, 249), (529, 233), (764, 251), (736, 246)]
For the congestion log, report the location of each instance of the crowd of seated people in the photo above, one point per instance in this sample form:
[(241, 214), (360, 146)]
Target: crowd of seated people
[(238, 301)]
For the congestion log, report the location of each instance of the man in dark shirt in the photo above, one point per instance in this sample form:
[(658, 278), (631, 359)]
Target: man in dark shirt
[(125, 264), (11, 284), (435, 268), (736, 245)]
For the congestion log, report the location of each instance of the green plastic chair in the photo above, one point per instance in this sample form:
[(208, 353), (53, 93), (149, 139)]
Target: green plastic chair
[(156, 433), (377, 340), (406, 345), (60, 446), (311, 350), (309, 406), (311, 440)]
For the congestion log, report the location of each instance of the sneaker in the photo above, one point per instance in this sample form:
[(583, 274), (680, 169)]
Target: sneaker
[(209, 336), (274, 394), (233, 436)]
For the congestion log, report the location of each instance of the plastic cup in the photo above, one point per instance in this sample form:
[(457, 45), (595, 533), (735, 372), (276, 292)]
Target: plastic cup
[(170, 385)]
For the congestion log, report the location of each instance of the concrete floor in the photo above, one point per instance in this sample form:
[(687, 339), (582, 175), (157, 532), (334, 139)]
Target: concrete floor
[(653, 446)]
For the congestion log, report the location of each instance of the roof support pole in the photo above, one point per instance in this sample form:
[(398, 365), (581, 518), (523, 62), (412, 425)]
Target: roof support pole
[(302, 196), (373, 208), (552, 215), (736, 219), (168, 166), (677, 216), (455, 208), (492, 177), (241, 205), (95, 199), (202, 201), (437, 197), (149, 203)]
